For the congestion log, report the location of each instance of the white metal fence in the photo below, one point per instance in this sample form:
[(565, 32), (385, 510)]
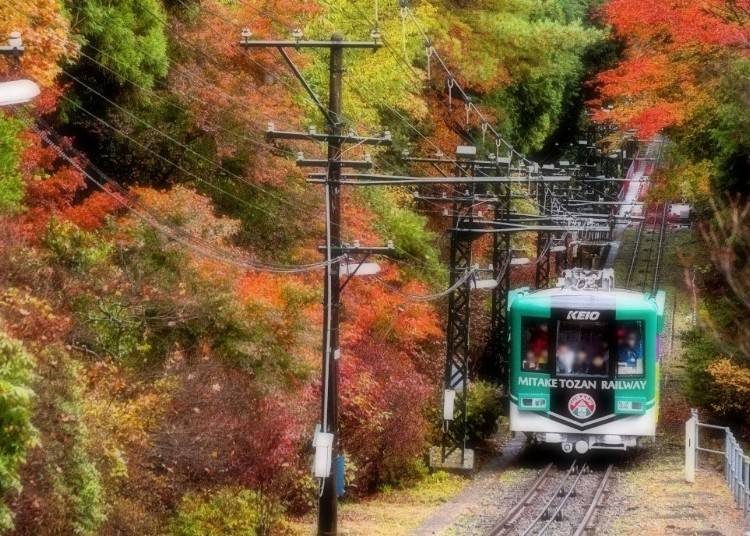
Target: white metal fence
[(736, 463)]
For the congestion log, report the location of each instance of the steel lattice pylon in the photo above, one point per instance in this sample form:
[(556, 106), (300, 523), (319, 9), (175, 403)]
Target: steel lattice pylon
[(501, 257), (541, 278), (457, 354)]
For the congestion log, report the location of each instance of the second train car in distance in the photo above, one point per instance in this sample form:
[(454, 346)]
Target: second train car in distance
[(584, 363)]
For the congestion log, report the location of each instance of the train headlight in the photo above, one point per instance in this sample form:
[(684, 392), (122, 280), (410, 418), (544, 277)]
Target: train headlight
[(630, 406), (533, 403)]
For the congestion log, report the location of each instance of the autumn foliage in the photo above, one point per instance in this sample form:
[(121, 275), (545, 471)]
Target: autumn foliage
[(170, 380), (673, 50)]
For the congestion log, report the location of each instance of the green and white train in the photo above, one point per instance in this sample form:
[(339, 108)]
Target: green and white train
[(585, 363)]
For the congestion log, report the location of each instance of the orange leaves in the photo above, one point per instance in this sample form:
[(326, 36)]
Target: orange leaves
[(650, 121), (50, 185), (44, 29), (191, 210), (92, 212), (359, 221), (681, 23), (651, 93), (51, 189), (667, 72), (375, 311), (640, 72), (264, 289)]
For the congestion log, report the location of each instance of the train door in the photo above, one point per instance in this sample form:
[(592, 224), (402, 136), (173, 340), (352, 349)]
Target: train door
[(584, 366)]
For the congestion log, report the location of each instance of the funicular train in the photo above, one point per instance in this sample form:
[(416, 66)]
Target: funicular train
[(584, 363)]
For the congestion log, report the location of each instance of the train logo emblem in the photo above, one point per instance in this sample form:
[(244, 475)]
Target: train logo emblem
[(581, 406)]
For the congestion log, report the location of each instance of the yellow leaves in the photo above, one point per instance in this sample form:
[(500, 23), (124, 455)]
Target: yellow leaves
[(123, 419), (690, 181), (45, 30), (734, 383), (191, 210)]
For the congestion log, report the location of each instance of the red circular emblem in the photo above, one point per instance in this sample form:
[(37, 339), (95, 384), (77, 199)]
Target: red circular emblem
[(582, 406)]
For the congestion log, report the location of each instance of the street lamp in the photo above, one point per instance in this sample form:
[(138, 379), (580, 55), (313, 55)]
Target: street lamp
[(17, 92)]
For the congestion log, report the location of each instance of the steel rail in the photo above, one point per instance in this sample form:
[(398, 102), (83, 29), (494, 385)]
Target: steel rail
[(636, 252), (511, 517), (584, 525), (550, 501), (660, 249), (648, 251), (558, 510)]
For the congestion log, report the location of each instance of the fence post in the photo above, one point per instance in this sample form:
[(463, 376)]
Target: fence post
[(734, 468), (737, 470), (727, 461), (691, 443), (733, 444)]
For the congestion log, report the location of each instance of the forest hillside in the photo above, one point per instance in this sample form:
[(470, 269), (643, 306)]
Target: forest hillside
[(160, 274)]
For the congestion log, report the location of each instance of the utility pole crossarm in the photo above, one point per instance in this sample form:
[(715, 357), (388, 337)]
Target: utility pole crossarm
[(320, 163), (366, 179), (292, 43), (385, 139)]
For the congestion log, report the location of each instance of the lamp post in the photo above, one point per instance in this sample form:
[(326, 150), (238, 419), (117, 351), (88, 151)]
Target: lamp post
[(17, 91)]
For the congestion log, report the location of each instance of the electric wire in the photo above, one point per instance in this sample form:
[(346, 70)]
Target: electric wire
[(465, 278), (147, 215), (153, 93), (161, 157)]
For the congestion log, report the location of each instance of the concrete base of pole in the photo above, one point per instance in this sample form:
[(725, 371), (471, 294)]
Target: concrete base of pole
[(452, 463)]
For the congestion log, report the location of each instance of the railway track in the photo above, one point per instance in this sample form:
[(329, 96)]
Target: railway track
[(561, 497), (587, 524)]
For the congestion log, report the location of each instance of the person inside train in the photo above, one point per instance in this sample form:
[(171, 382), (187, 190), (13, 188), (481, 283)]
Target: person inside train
[(598, 365), (581, 361), (537, 355), (565, 359), (629, 351)]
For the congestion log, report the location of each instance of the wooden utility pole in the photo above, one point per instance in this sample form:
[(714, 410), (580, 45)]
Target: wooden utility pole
[(326, 440), (327, 513)]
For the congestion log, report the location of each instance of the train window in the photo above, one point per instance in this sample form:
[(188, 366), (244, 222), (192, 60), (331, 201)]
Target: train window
[(535, 350), (630, 351), (582, 348)]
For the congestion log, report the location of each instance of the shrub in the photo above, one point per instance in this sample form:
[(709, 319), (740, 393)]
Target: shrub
[(227, 512), (75, 248), (484, 407), (17, 434), (700, 351), (384, 406), (730, 388), (224, 430)]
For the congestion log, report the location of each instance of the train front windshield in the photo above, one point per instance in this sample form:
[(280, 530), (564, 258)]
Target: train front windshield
[(584, 348)]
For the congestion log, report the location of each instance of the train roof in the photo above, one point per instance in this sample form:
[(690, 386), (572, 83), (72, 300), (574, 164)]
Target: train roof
[(621, 293), (615, 299)]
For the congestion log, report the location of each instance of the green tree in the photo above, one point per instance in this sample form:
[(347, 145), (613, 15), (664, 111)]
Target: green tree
[(11, 182), (17, 434), (128, 36)]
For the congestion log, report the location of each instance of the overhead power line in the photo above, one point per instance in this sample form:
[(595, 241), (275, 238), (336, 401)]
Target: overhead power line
[(147, 215)]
